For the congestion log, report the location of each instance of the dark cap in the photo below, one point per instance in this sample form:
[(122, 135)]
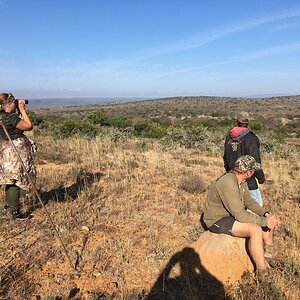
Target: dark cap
[(246, 163), (243, 117)]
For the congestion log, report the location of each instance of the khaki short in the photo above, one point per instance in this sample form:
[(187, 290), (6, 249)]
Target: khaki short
[(224, 225)]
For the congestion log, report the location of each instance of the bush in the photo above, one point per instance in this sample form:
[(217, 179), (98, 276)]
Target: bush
[(149, 130), (35, 118), (189, 137), (191, 123), (256, 126), (210, 123), (121, 122), (116, 134), (99, 118), (227, 122), (165, 121), (71, 127), (192, 184)]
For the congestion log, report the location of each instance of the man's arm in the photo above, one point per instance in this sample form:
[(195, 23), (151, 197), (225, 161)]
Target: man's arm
[(230, 196), (253, 150), (224, 156), (250, 203)]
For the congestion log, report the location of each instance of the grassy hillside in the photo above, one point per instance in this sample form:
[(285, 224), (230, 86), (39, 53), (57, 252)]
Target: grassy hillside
[(124, 203), (271, 112)]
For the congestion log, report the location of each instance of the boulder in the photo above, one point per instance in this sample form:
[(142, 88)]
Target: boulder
[(223, 257), (203, 270)]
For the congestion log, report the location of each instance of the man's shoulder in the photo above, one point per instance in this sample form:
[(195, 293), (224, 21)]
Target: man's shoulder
[(227, 179), (250, 135)]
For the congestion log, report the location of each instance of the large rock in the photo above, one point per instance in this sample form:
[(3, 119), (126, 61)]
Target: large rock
[(202, 270), (223, 257), (185, 278)]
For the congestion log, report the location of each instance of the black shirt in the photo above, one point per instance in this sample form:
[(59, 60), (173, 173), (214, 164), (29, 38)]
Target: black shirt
[(10, 121), (247, 144)]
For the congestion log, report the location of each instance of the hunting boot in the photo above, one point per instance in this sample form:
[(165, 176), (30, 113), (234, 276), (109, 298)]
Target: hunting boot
[(17, 215), (269, 255), (263, 274)]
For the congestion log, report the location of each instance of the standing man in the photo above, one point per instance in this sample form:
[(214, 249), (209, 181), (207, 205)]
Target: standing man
[(242, 141), (227, 206)]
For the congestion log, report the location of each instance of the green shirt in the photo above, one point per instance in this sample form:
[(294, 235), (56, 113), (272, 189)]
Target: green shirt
[(10, 121), (226, 197)]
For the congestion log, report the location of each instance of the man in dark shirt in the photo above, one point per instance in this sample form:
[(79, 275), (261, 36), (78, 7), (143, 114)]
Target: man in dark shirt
[(242, 141)]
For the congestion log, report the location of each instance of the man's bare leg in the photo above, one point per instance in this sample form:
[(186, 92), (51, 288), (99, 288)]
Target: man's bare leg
[(255, 234), (268, 237)]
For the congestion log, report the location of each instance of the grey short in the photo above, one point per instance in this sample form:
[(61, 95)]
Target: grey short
[(224, 225)]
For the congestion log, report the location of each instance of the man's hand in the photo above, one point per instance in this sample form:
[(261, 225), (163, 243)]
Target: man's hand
[(21, 104), (272, 222), (261, 181)]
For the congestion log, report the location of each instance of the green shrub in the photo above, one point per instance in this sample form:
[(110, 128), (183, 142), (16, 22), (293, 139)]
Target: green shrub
[(191, 122), (71, 127), (140, 127), (149, 130), (121, 122), (99, 118), (256, 126), (35, 118), (227, 122)]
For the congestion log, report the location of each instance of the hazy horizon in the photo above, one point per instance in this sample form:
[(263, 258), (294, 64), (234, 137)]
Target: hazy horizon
[(78, 101)]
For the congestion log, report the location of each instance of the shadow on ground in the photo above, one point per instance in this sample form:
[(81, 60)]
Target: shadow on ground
[(71, 192), (61, 193), (191, 280)]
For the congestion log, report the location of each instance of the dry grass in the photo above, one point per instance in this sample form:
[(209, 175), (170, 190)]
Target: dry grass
[(122, 214)]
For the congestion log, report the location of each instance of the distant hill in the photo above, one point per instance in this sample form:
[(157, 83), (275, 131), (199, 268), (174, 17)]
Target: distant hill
[(178, 107), (64, 102), (281, 112)]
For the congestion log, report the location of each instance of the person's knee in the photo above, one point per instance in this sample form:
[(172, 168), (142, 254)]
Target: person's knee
[(255, 230)]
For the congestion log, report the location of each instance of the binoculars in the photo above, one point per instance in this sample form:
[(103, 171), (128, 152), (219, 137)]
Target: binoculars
[(17, 102)]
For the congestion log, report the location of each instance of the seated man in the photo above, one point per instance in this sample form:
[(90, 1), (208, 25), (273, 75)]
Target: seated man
[(227, 206)]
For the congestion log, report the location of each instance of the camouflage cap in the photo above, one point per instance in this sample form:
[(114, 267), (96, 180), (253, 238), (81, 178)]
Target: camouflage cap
[(243, 117), (10, 98), (246, 163)]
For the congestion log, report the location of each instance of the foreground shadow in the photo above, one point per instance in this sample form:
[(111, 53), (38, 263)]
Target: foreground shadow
[(184, 278), (71, 192)]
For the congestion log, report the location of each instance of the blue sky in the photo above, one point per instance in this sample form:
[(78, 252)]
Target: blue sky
[(157, 48)]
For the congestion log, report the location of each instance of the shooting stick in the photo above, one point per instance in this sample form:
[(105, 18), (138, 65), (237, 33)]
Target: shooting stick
[(37, 194)]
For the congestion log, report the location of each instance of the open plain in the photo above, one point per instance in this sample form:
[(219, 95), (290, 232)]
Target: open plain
[(127, 196)]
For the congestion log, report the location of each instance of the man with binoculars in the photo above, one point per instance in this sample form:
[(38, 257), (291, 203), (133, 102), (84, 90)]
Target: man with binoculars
[(13, 122)]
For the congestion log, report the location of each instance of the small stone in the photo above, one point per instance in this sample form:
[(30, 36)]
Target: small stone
[(85, 228)]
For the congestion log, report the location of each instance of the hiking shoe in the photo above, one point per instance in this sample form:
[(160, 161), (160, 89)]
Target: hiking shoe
[(5, 207), (17, 215), (263, 275), (273, 263), (268, 251), (269, 255)]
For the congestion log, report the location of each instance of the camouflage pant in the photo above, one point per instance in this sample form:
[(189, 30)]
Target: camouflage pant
[(11, 170)]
